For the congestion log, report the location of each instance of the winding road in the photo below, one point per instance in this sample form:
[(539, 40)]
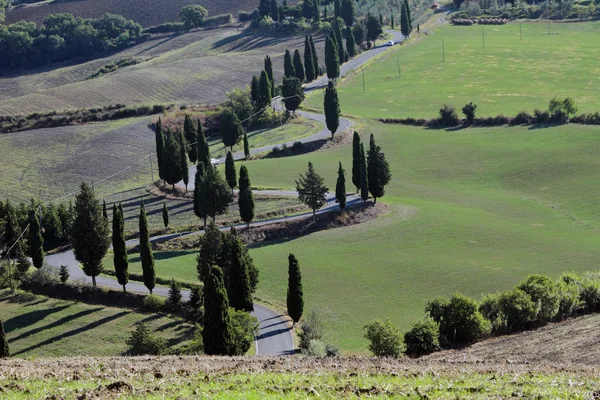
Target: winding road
[(274, 337)]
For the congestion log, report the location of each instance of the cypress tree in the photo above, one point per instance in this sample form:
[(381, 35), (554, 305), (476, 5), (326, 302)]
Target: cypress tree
[(404, 24), (89, 233), (36, 242), (190, 136), (239, 291), (104, 210), (339, 41), (316, 12), (120, 260), (298, 67), (211, 245), (246, 147), (331, 105), (378, 170), (410, 25), (172, 168), (265, 91), (217, 335), (174, 300), (340, 187), (269, 71), (202, 146), (295, 300), (160, 144), (254, 91), (11, 233), (364, 184), (392, 21), (245, 197), (280, 13), (292, 92), (288, 65), (325, 16), (307, 9), (231, 128), (196, 302), (146, 252), (381, 19), (184, 167), (356, 161), (199, 197), (314, 55), (230, 174), (274, 12), (350, 45), (337, 8), (348, 12), (165, 215), (4, 351), (311, 189), (264, 7), (332, 61), (309, 64)]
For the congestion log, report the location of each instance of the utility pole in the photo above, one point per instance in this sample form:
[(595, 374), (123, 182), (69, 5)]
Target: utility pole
[(151, 167), (398, 59), (443, 53), (363, 76)]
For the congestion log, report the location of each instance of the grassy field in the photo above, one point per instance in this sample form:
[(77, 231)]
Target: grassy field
[(505, 77), (287, 378), (38, 326)]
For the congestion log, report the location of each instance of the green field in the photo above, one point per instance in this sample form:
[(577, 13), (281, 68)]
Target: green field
[(38, 326), (505, 77)]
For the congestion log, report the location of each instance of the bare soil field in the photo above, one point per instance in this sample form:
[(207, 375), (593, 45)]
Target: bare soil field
[(195, 68)]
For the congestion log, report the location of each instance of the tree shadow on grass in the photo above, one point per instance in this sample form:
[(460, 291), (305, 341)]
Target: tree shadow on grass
[(163, 255), (30, 318), (74, 332), (21, 298)]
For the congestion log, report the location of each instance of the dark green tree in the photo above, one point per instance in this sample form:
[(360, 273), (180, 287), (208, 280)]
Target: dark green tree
[(245, 197), (356, 161), (392, 21), (407, 6), (171, 159), (146, 255), (231, 128), (288, 65), (230, 173), (199, 197), (269, 71), (337, 8), (165, 215), (265, 91), (350, 45), (340, 187), (189, 131), (348, 12), (12, 231), (184, 166), (160, 144), (295, 300), (202, 147), (120, 260), (215, 194), (174, 300), (315, 56), (239, 290), (292, 92), (217, 335), (339, 41), (274, 11), (89, 233), (311, 189), (36, 243), (63, 274), (332, 60), (52, 234), (254, 91), (364, 180), (246, 147), (378, 169), (331, 105), (404, 21), (211, 245), (298, 67), (264, 8), (4, 351), (358, 31), (104, 210), (316, 11), (374, 28), (309, 64), (307, 9)]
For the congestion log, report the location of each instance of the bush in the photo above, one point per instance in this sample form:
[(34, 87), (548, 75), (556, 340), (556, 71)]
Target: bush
[(541, 117), (522, 118), (469, 111), (311, 329), (517, 309), (490, 308), (590, 294), (332, 350), (217, 20), (244, 327), (422, 338), (561, 109), (569, 299), (244, 16), (63, 273), (544, 293), (384, 338), (44, 276), (316, 348), (154, 303), (142, 341), (448, 116)]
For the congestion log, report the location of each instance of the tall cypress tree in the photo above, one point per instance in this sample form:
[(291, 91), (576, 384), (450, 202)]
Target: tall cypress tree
[(202, 146), (340, 187), (309, 65), (274, 12), (288, 65), (332, 60), (160, 144), (104, 210), (404, 24), (378, 169), (364, 183), (254, 91), (337, 30), (316, 11), (190, 136), (146, 255), (230, 173), (171, 159), (165, 215), (184, 166), (269, 71), (245, 197), (315, 55), (265, 87), (350, 45), (246, 147), (337, 8), (36, 242), (410, 25), (211, 244), (298, 67), (331, 105), (356, 161), (4, 351), (239, 290), (231, 128), (392, 21), (348, 12), (295, 300), (307, 9), (264, 7), (120, 260), (217, 335), (199, 196), (89, 233)]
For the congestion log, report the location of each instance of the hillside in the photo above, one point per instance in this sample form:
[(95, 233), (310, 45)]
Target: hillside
[(143, 12)]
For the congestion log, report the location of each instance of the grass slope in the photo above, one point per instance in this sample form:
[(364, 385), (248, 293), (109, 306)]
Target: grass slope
[(38, 326), (505, 77)]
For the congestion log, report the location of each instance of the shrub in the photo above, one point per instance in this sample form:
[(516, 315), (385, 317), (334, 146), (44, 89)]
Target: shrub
[(217, 20), (422, 338), (490, 308), (332, 350), (316, 348), (469, 111), (244, 16), (46, 275), (560, 109), (244, 326), (522, 118), (448, 116), (569, 300), (517, 308), (590, 294), (63, 273), (153, 302), (544, 293), (311, 329), (384, 338), (142, 341), (298, 148), (541, 117)]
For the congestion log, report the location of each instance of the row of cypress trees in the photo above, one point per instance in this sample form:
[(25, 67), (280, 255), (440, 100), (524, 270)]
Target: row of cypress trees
[(370, 174)]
